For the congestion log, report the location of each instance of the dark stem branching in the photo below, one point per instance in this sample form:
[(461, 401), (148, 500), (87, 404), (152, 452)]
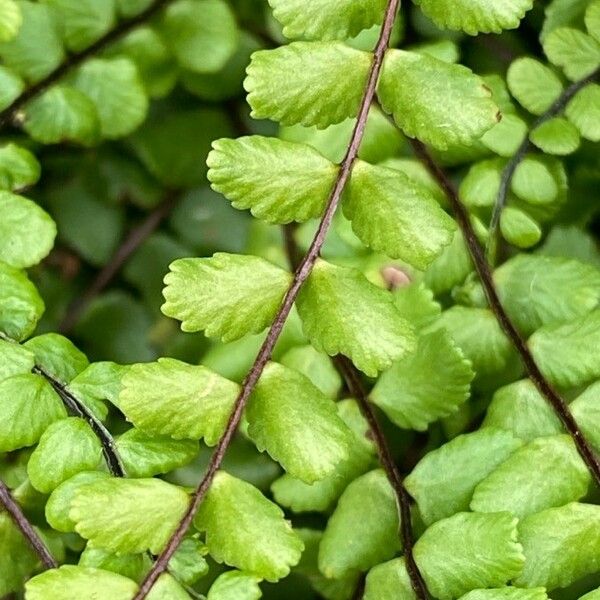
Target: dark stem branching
[(130, 244), (485, 275), (300, 276), (9, 114), (509, 171), (25, 527)]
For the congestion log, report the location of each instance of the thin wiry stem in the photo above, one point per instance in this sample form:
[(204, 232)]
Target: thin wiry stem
[(76, 407), (9, 114), (485, 275), (355, 386), (130, 244), (22, 523), (507, 175), (300, 276)]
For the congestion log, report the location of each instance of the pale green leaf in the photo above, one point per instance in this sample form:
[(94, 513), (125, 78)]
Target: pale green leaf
[(566, 353), (26, 231), (84, 21), (541, 290), (59, 502), (417, 304), (227, 296), (389, 581), (533, 84), (235, 585), (476, 16), (296, 424), (546, 472), (561, 545), (443, 481), (11, 20), (534, 181), (17, 559), (505, 137), (127, 515), (278, 181), (19, 168), (202, 34), (395, 216), (247, 531), (172, 398), (144, 455), (363, 529), (327, 20), (327, 86), (167, 588), (360, 319), (117, 92), (479, 188), (129, 8), (507, 593), (469, 551), (11, 87), (66, 448), (439, 103), (28, 405), (62, 114), (412, 396), (71, 582), (188, 563), (58, 356), (128, 565), (586, 410), (563, 12), (576, 52), (14, 360), (556, 136), (518, 228), (520, 408), (584, 112), (450, 268), (592, 19), (37, 49)]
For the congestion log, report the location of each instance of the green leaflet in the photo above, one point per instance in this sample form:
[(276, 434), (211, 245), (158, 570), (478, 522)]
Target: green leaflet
[(58, 356), (586, 410), (127, 515), (476, 16), (202, 34), (576, 52), (561, 545), (144, 455), (66, 448), (59, 502), (518, 228), (520, 408), (172, 398), (278, 181), (363, 529), (119, 96), (26, 231), (592, 19), (479, 188), (421, 92), (84, 21), (327, 87), (63, 114), (17, 559), (412, 396), (507, 593), (14, 360), (128, 565), (19, 168), (450, 268), (11, 20), (556, 136), (227, 295), (593, 595), (395, 216), (326, 20), (566, 352), (469, 551), (505, 137), (444, 480), (296, 424), (11, 86), (389, 581), (362, 322), (20, 303), (235, 585), (28, 406), (417, 304), (533, 84), (584, 112), (36, 50), (70, 581), (247, 531), (188, 563), (546, 472), (321, 495), (540, 290)]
